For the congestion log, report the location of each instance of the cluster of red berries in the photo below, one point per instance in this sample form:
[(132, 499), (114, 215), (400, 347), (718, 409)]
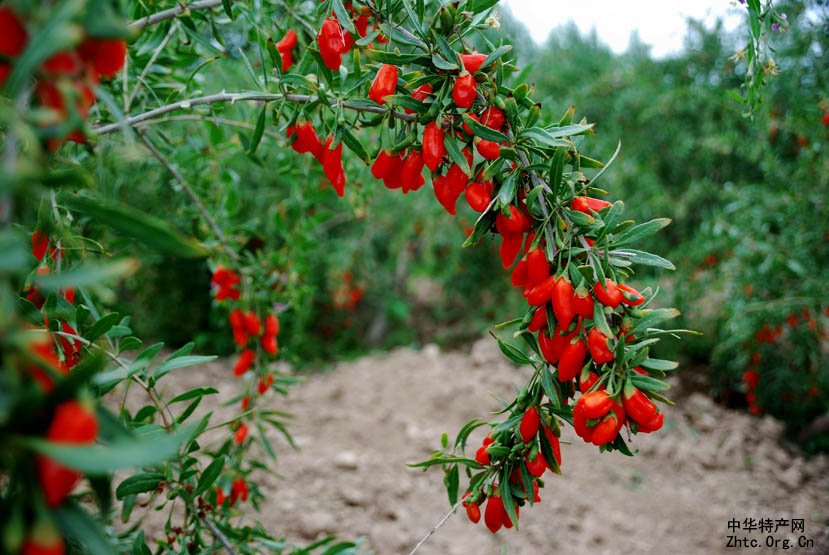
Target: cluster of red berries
[(333, 41), (305, 140), (531, 432), (66, 80), (238, 491), (347, 296), (225, 283)]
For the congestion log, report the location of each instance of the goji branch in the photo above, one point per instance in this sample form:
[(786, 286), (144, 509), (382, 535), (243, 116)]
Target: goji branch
[(152, 19), (237, 97)]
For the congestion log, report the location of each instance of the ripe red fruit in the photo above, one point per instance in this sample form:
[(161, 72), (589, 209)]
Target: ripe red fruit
[(40, 244), (599, 349), (586, 204), (107, 57), (630, 296), (825, 119), (420, 94), (495, 514), (411, 172), (253, 325), (571, 361), (285, 48), (638, 406), (434, 149), (464, 91), (5, 70), (518, 278), (562, 298), (539, 319), (608, 294), (265, 384), (384, 83), (241, 434), (585, 383), (13, 35), (536, 466), (514, 221), (479, 195), (481, 456), (269, 344), (538, 269), (472, 62), (271, 325), (237, 318), (72, 423), (595, 404), (656, 422), (493, 118), (243, 364), (64, 63), (583, 302), (490, 150), (331, 44), (473, 510), (385, 164), (332, 165), (529, 424), (306, 139), (238, 490), (541, 293), (605, 431)]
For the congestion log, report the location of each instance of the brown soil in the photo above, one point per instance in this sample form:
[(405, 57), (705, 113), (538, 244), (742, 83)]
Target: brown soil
[(358, 425)]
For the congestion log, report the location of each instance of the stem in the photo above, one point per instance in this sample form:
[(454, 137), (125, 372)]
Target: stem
[(190, 193), (234, 97), (139, 82), (152, 19), (218, 535), (436, 527)]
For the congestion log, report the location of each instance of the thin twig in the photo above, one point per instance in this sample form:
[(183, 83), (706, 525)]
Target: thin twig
[(218, 535), (236, 97), (436, 527), (152, 19), (190, 193), (156, 53)]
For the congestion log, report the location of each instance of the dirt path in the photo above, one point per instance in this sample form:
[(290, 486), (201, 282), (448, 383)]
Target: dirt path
[(361, 423)]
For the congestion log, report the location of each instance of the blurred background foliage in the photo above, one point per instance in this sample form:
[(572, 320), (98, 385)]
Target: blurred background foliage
[(748, 198)]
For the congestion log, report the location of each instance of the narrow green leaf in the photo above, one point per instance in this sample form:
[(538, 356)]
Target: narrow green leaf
[(209, 475), (258, 131), (138, 483), (86, 275), (150, 230)]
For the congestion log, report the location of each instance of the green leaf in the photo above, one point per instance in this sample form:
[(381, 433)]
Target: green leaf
[(139, 483), (342, 16), (640, 231), (354, 145), (495, 54), (452, 480), (86, 275), (150, 230), (647, 383), (14, 256), (652, 318), (439, 458), (226, 4), (193, 393), (659, 364), (478, 6), (78, 525), (101, 459), (181, 362), (483, 131), (513, 353), (258, 131), (542, 136), (643, 258), (209, 475), (103, 325)]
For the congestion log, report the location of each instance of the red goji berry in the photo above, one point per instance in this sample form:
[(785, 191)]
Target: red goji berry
[(464, 90), (384, 83), (472, 62)]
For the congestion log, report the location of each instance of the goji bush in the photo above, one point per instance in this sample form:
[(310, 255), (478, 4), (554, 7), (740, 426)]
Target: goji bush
[(392, 88)]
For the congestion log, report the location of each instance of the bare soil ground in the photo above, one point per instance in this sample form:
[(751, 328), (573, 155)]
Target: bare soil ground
[(358, 425)]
